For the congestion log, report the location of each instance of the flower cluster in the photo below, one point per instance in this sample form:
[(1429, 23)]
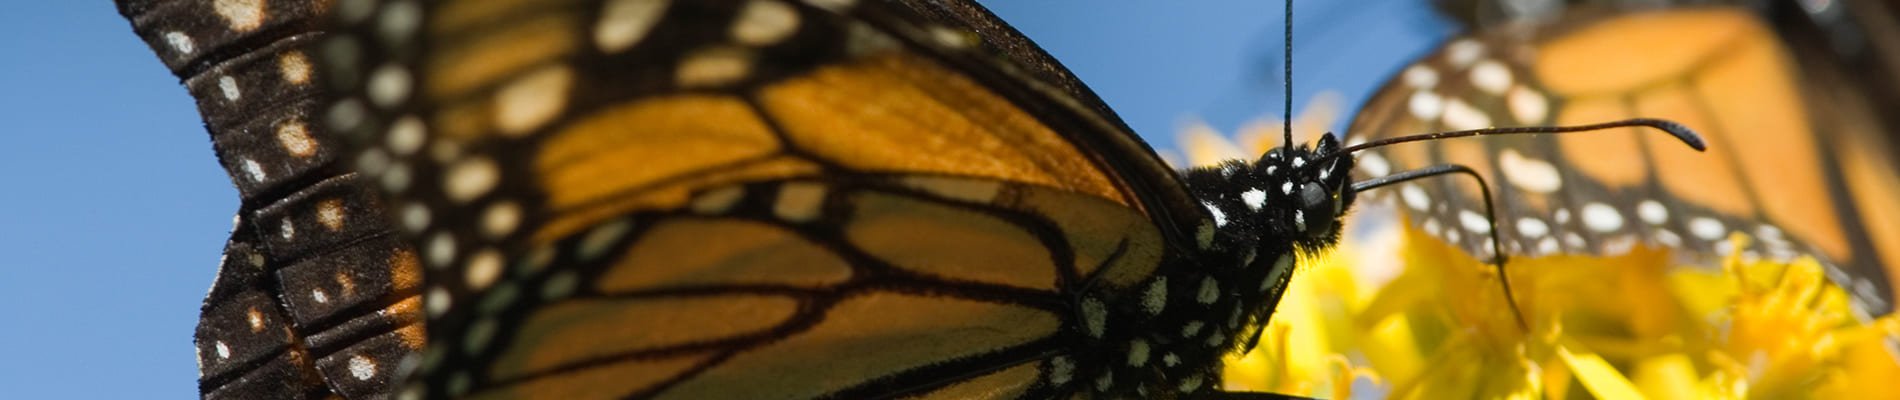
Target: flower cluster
[(1396, 313)]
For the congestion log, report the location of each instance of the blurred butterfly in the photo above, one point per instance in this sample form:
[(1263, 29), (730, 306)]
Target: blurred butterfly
[(1802, 161)]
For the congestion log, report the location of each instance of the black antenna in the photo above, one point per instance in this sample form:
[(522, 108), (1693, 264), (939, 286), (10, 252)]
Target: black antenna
[(1286, 115), (1683, 133)]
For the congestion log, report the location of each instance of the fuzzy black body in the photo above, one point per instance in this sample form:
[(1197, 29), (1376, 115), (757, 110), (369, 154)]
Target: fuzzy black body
[(1217, 299)]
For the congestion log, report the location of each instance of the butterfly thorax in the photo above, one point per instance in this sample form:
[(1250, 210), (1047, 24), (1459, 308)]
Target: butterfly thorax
[(1291, 194), (1166, 337)]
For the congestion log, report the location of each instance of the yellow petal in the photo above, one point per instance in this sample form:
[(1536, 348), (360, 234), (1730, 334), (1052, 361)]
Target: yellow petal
[(1668, 376), (1598, 376)]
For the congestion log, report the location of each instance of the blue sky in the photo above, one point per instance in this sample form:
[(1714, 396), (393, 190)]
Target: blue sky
[(114, 210)]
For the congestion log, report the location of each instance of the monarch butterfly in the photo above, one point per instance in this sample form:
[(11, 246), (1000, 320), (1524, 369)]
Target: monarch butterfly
[(314, 286), (693, 199), (1804, 162)]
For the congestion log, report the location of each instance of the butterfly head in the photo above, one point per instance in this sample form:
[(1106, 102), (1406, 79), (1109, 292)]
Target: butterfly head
[(1316, 185)]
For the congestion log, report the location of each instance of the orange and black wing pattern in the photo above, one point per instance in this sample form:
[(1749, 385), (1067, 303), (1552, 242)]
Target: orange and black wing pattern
[(315, 296), (767, 199), (1798, 159)]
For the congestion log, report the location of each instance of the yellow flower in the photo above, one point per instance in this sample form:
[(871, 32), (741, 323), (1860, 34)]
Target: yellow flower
[(1396, 313)]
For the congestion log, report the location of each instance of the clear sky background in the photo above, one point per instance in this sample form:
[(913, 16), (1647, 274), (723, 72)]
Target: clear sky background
[(113, 210)]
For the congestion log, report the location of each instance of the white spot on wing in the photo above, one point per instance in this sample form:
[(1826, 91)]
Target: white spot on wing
[(437, 302), (1532, 227), (530, 101), (1462, 52), (295, 138), (471, 178), (441, 249), (1652, 212), (180, 42), (415, 217), (1462, 116), (597, 241), (1707, 228), (406, 135), (1415, 197), (483, 269), (399, 21), (1601, 217), (345, 115), (1529, 174), (624, 22), (1724, 248), (1548, 245), (1619, 245), (1425, 105), (1668, 238), (764, 22), (1421, 77), (1769, 232), (500, 219), (1527, 105), (389, 84), (1473, 222), (362, 368), (833, 5), (1491, 76), (240, 15), (294, 67), (255, 171), (1374, 165), (228, 85), (714, 66)]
